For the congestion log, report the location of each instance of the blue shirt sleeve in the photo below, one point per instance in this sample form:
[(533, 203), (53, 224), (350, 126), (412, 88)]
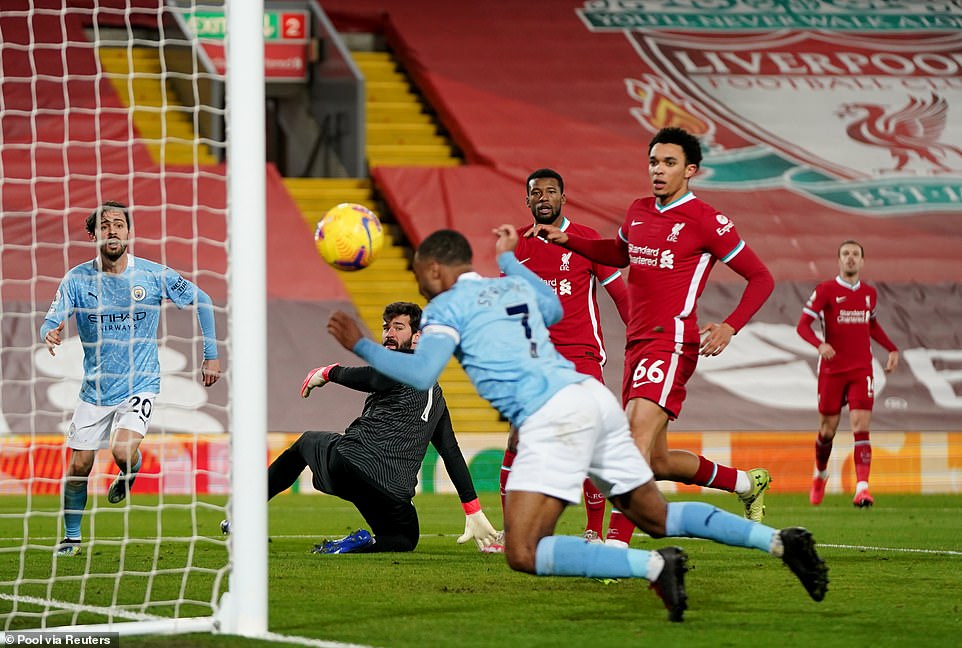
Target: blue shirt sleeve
[(184, 293), (420, 369), (205, 316), (548, 302), (60, 309)]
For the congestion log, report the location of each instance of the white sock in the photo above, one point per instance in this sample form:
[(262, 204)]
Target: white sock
[(777, 549), (743, 483), (611, 542), (656, 562), (861, 486), (822, 474)]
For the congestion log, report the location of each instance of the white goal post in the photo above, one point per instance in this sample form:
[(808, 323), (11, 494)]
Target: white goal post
[(51, 174)]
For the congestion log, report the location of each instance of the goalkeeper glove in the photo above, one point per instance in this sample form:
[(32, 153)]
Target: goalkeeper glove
[(316, 378), (478, 528)]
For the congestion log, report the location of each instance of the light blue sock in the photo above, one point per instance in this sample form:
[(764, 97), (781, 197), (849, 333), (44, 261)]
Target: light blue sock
[(135, 469), (700, 520), (74, 503), (571, 556)]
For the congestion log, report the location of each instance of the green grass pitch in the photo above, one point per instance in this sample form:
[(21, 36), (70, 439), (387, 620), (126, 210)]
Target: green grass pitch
[(895, 579)]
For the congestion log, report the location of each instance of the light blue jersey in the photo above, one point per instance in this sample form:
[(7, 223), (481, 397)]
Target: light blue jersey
[(117, 317), (497, 331)]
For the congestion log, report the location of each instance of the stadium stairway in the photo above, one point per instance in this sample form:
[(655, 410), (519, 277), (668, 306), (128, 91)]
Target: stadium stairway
[(163, 122), (400, 129), (389, 279)]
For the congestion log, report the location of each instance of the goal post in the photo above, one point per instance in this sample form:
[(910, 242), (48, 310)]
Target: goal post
[(245, 610), (83, 123)]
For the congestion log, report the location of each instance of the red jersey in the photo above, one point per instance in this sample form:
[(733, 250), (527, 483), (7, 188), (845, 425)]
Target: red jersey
[(572, 277), (672, 249), (847, 316)]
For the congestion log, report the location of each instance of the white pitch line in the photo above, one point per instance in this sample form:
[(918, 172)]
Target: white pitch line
[(940, 552)]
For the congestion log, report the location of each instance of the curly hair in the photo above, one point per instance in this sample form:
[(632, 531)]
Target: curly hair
[(688, 143)]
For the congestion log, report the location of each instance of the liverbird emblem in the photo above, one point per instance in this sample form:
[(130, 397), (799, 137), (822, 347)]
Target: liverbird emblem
[(913, 129)]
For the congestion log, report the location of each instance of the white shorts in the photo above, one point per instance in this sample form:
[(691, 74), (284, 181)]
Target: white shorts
[(581, 431), (93, 426)]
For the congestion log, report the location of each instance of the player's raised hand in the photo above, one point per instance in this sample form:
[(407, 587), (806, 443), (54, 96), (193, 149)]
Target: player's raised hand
[(316, 378), (715, 338), (210, 371), (550, 233), (53, 339), (507, 238), (344, 329)]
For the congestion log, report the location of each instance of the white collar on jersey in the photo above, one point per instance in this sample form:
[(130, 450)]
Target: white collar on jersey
[(681, 201), (844, 284), (468, 276)]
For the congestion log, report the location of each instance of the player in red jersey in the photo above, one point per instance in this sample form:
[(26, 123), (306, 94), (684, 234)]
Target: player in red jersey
[(578, 335), (845, 306), (671, 241)]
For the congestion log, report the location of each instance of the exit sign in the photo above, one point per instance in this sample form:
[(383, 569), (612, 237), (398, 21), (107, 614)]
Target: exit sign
[(285, 41), (278, 25)]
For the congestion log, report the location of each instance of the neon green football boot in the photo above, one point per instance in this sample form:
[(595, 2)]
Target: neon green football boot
[(754, 500)]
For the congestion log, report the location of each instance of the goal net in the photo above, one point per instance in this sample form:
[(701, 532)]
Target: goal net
[(110, 100)]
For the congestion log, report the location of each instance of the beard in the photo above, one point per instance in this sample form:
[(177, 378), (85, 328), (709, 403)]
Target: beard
[(113, 255), (393, 344), (545, 219)]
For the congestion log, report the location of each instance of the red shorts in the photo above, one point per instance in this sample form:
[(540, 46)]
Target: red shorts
[(855, 388), (658, 370)]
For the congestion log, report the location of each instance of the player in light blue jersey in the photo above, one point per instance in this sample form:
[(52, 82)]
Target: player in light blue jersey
[(569, 426), (116, 300)]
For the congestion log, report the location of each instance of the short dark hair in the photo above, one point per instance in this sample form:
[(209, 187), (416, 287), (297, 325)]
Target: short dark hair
[(111, 205), (447, 247), (412, 310), (544, 173), (674, 135), (850, 242)]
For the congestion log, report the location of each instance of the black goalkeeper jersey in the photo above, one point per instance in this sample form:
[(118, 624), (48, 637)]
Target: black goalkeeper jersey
[(387, 443)]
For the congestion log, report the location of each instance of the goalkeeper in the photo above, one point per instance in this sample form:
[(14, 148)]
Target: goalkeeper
[(374, 464)]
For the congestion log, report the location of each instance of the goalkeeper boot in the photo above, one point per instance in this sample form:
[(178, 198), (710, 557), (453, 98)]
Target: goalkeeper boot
[(118, 490), (863, 499), (68, 547), (670, 584), (800, 556), (754, 500), (350, 543)]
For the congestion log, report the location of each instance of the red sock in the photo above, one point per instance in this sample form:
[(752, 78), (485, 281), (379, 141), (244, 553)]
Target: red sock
[(594, 508), (619, 527), (823, 450), (863, 456), (506, 464), (715, 475)]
